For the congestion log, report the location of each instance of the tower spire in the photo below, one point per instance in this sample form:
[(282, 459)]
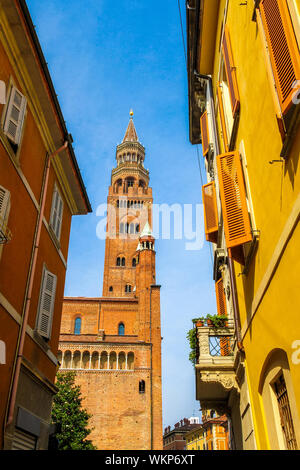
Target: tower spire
[(131, 135)]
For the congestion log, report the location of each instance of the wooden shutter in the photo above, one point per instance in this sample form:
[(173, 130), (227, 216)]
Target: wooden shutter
[(23, 441), (222, 117), (56, 213), (210, 212), (204, 133), (230, 72), (283, 49), (221, 299), (4, 205), (2, 92), (46, 305), (233, 199), (15, 115)]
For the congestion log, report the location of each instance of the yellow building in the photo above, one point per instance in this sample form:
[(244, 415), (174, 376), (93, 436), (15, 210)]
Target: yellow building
[(195, 439), (244, 72), (212, 434)]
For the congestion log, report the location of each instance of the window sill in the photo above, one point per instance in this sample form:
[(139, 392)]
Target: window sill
[(42, 342), (54, 238)]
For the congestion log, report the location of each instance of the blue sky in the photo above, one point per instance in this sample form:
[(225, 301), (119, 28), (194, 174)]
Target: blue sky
[(105, 58)]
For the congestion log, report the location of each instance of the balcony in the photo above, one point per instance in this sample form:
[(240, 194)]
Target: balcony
[(215, 363)]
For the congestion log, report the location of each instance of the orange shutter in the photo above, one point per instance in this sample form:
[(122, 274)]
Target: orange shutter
[(225, 346), (283, 49), (220, 295), (230, 73), (233, 199), (222, 117), (222, 310), (204, 133), (210, 212)]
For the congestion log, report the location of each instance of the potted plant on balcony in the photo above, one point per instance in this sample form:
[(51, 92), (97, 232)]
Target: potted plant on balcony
[(199, 321), (192, 337), (217, 321)]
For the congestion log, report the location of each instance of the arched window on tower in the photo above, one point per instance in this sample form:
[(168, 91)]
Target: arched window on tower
[(111, 289), (142, 386), (121, 329), (134, 262), (123, 261), (128, 288), (77, 326), (118, 261)]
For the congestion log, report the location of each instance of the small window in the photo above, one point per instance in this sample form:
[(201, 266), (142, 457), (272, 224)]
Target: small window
[(121, 329), (111, 289), (127, 288), (46, 304), (142, 386), (137, 228), (56, 213), (77, 326), (123, 261), (118, 262), (14, 118), (134, 262)]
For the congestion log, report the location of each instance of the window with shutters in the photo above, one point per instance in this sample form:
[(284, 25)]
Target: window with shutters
[(285, 414), (56, 213), (228, 94), (221, 298), (237, 226), (283, 48), (46, 304), (14, 116), (210, 212), (5, 233), (205, 133)]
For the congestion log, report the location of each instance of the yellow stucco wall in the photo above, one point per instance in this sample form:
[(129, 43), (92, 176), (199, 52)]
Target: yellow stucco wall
[(195, 440), (274, 191)]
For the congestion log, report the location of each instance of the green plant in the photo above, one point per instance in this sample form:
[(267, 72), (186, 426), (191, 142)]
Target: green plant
[(192, 337), (218, 321), (70, 418), (198, 319)]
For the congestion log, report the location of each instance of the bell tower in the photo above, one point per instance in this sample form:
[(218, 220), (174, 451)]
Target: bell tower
[(117, 350), (129, 207)]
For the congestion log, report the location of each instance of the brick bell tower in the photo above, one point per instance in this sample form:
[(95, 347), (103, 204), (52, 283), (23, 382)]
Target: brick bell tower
[(129, 205), (114, 342)]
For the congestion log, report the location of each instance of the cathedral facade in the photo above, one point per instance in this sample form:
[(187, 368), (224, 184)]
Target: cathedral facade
[(114, 342)]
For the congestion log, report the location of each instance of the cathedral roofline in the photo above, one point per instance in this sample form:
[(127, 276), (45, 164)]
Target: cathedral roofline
[(101, 299)]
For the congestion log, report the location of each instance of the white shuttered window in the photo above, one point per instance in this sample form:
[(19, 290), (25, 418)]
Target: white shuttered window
[(15, 113), (4, 205), (46, 305), (56, 212)]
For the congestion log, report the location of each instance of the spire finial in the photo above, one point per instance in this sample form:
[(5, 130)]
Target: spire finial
[(131, 135)]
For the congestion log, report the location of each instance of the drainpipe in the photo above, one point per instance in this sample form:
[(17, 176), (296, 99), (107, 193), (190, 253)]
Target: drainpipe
[(22, 333)]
